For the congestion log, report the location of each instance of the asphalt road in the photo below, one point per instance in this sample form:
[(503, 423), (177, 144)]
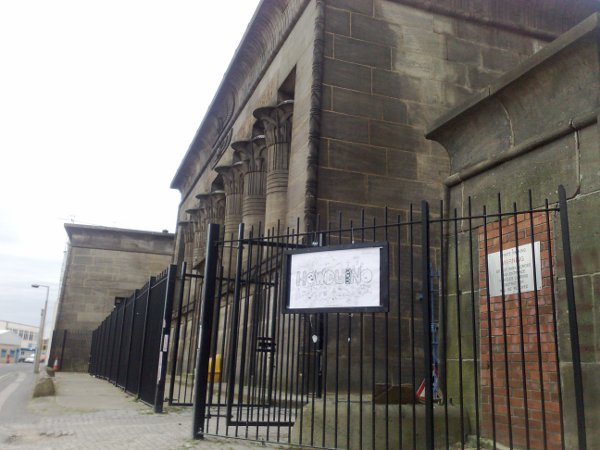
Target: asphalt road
[(16, 383)]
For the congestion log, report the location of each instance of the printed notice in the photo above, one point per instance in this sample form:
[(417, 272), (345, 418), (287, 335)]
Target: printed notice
[(348, 278), (527, 254)]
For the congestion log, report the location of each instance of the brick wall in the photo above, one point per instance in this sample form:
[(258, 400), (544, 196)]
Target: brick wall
[(516, 323)]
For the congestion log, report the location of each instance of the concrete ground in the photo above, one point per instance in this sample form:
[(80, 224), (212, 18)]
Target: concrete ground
[(88, 413)]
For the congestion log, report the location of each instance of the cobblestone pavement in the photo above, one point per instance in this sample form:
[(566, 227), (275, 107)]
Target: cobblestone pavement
[(88, 413)]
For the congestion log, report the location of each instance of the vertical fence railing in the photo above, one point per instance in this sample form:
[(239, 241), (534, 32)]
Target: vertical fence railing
[(466, 356), (185, 324), (130, 347)]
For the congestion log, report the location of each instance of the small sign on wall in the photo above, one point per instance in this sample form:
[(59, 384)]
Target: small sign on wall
[(350, 278), (527, 254)]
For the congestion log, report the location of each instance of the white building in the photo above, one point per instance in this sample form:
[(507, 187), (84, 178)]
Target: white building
[(10, 346), (27, 333)]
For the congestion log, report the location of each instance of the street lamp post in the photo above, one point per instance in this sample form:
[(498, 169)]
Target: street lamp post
[(40, 344)]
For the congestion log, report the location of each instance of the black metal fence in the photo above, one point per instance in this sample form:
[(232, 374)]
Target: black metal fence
[(466, 356), (130, 347)]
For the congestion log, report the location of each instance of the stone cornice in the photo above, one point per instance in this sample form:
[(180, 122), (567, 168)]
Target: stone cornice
[(542, 19), (270, 26), (590, 26)]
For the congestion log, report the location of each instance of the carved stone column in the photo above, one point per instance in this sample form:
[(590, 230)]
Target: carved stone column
[(211, 206), (251, 154), (188, 240), (277, 123), (197, 227), (233, 180)]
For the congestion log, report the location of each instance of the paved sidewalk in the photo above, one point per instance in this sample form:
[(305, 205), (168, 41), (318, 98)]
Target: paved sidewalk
[(88, 413)]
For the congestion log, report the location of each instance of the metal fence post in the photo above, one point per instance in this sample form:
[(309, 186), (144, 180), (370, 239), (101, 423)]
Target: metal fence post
[(132, 325), (164, 341), (235, 319), (572, 311), (425, 288), (176, 334), (204, 333), (144, 331), (62, 350)]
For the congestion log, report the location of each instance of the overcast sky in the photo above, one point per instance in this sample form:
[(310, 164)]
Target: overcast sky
[(99, 101)]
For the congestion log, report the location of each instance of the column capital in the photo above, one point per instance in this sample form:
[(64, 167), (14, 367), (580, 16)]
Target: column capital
[(275, 115), (212, 206), (233, 180)]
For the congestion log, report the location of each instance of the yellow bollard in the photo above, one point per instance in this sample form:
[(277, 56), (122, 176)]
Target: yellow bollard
[(217, 374)]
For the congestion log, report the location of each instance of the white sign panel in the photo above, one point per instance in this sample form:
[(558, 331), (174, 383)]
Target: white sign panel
[(335, 279), (511, 277)]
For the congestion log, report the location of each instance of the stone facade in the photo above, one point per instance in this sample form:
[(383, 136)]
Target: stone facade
[(325, 109), (102, 263), (535, 128)]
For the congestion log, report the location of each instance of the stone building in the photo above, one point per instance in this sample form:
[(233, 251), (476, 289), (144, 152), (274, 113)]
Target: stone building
[(101, 264), (339, 106)]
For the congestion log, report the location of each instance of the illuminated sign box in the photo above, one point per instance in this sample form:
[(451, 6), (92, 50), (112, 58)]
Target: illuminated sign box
[(345, 278)]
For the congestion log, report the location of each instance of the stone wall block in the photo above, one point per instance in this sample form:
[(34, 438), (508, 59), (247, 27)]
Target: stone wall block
[(423, 40), (499, 60), (362, 52), (392, 84), (360, 6), (357, 157), (402, 164), (376, 31), (395, 135), (357, 104), (343, 127), (337, 21), (343, 186), (403, 15), (346, 75), (463, 51)]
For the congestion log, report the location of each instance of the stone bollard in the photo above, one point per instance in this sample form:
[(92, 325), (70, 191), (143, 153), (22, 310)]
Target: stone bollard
[(44, 386)]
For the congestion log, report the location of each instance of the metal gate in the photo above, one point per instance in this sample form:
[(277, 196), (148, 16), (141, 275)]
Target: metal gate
[(466, 356), (185, 338)]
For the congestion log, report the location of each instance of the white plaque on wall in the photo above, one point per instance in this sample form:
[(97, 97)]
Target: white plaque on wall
[(527, 254), (341, 278)]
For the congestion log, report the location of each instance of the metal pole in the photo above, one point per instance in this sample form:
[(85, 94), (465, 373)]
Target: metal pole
[(425, 287), (204, 333), (572, 311), (164, 347), (175, 341), (40, 343)]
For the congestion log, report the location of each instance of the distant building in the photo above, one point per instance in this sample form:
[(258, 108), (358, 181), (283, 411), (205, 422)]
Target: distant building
[(10, 346), (27, 333), (101, 264)]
